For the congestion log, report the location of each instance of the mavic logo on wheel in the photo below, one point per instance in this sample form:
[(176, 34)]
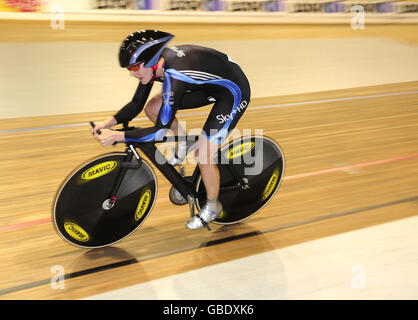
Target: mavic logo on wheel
[(99, 170), (221, 215), (143, 204), (271, 184), (76, 232), (240, 150)]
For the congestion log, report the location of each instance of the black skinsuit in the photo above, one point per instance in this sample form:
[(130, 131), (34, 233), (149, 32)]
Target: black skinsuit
[(194, 76)]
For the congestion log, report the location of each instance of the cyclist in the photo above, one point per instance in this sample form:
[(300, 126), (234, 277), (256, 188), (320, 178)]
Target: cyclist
[(192, 77)]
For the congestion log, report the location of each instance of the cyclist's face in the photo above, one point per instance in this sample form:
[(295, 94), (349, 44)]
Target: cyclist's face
[(140, 72)]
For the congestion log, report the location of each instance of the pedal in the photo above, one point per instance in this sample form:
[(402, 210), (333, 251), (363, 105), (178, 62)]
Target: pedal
[(192, 224), (205, 224), (191, 201)]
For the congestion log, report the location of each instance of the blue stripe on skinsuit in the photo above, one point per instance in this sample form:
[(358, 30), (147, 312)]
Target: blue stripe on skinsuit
[(147, 45), (165, 115), (231, 86), (166, 110), (156, 136)]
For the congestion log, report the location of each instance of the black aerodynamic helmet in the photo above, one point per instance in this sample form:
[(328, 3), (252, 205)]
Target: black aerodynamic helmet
[(143, 46)]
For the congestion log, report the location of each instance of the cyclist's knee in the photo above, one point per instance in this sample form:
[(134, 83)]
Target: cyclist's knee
[(201, 157), (153, 107), (205, 150)]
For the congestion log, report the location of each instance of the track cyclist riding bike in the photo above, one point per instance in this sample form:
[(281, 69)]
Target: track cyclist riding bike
[(192, 77)]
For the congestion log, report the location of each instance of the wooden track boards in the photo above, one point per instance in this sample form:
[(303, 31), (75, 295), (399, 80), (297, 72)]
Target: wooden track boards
[(314, 136)]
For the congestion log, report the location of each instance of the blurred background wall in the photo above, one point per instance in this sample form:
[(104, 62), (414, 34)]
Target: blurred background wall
[(60, 57)]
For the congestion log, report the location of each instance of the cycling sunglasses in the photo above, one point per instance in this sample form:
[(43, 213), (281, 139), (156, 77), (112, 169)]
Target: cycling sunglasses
[(134, 68)]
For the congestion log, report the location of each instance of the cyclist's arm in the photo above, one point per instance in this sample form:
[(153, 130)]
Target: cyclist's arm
[(135, 106), (172, 93)]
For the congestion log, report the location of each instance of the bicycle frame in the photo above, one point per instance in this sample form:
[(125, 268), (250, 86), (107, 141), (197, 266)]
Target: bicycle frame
[(87, 212), (184, 186)]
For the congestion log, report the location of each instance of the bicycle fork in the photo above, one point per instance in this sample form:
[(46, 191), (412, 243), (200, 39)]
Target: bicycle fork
[(127, 164)]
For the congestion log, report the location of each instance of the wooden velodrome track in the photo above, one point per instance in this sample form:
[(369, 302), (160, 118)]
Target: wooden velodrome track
[(351, 162)]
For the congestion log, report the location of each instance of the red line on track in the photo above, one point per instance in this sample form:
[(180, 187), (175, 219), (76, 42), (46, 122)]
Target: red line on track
[(294, 177), (361, 165), (25, 224)]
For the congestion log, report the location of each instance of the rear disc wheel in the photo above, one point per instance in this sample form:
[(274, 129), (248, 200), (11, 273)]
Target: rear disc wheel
[(260, 161)]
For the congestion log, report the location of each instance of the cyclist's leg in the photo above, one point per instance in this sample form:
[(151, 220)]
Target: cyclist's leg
[(222, 119), (153, 108), (190, 100), (204, 153), (215, 131)]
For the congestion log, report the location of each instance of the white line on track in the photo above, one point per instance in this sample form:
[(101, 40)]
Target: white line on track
[(292, 104)]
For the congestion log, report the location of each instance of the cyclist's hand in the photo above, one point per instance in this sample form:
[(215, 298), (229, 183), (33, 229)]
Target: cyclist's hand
[(105, 124), (108, 137), (98, 126)]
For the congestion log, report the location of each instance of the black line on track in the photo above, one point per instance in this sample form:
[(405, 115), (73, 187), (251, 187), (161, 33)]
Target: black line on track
[(69, 276), (208, 244), (101, 268), (308, 221), (232, 238)]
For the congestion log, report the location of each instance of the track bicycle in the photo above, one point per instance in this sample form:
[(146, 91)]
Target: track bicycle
[(107, 198)]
